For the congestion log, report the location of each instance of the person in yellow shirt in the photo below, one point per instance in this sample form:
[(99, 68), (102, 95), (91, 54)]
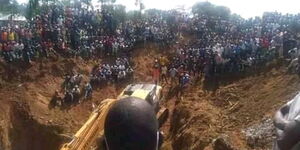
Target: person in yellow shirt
[(11, 36), (163, 61)]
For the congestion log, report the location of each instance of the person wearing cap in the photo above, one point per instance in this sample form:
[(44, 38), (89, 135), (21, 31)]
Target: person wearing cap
[(131, 124)]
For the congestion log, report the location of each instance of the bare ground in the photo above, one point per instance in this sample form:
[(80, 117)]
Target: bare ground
[(28, 123)]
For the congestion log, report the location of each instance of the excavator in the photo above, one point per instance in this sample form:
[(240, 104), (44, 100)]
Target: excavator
[(93, 130)]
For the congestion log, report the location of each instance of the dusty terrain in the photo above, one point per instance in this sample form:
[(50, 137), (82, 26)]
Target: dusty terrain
[(201, 117), (28, 123)]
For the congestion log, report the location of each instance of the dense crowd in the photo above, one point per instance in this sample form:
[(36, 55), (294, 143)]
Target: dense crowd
[(230, 47), (223, 45), (73, 92), (117, 72), (78, 32)]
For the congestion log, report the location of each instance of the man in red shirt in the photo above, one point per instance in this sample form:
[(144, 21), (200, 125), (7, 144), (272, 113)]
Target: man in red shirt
[(4, 36), (266, 43)]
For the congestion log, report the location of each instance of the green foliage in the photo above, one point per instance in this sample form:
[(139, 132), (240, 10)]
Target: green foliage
[(208, 9), (222, 11), (33, 8), (11, 7), (119, 13), (133, 15), (153, 12)]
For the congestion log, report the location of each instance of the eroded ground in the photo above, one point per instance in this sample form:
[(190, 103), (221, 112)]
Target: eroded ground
[(244, 102)]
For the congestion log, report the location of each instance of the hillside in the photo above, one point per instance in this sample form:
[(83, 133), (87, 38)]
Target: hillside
[(27, 121)]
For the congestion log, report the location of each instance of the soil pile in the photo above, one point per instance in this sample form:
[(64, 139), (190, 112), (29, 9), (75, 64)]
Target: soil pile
[(240, 106)]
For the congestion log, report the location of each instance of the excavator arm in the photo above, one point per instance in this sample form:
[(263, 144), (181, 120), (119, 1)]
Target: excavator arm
[(92, 129), (86, 136)]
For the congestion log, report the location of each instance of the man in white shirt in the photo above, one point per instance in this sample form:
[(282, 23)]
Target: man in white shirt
[(173, 73)]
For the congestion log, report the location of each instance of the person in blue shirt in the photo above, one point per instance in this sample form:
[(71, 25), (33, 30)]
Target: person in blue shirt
[(88, 90)]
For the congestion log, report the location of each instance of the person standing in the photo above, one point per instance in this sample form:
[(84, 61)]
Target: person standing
[(156, 72), (164, 74), (173, 73), (4, 36), (88, 90)]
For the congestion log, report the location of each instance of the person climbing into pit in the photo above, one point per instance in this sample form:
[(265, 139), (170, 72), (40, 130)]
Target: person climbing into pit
[(131, 124), (184, 80), (156, 71), (88, 90), (287, 124)]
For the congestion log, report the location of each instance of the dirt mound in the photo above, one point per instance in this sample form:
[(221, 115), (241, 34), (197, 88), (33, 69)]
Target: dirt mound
[(260, 135), (27, 122), (27, 133), (201, 117), (20, 131), (193, 124)]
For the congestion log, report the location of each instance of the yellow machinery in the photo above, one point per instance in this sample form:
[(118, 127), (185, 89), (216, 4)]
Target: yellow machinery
[(85, 138)]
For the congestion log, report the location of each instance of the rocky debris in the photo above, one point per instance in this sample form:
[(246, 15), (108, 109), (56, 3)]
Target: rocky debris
[(227, 96), (223, 143), (260, 135)]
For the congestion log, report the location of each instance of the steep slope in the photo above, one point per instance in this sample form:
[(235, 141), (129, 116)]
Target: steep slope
[(200, 117), (27, 122)]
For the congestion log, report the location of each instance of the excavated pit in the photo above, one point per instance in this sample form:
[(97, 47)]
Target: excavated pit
[(23, 132), (200, 121), (238, 115)]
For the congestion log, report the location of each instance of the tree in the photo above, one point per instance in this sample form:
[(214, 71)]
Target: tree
[(141, 6), (119, 13), (11, 7), (210, 10), (222, 11), (153, 12), (33, 8), (133, 15), (203, 8)]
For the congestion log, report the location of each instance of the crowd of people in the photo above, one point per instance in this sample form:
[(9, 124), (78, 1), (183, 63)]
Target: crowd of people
[(72, 91), (230, 47), (117, 72), (74, 31), (223, 45)]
